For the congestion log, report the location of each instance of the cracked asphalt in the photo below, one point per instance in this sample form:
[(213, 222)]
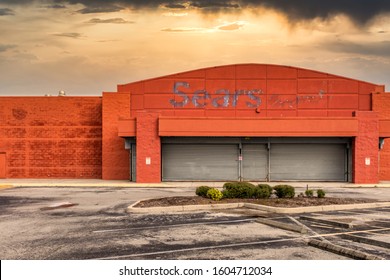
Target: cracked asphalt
[(97, 226)]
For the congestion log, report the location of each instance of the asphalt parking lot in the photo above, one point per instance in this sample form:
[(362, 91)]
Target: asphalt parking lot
[(96, 226)]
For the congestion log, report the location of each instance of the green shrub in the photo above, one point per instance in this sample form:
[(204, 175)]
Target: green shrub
[(284, 191), (309, 193), (202, 191), (263, 191), (320, 193), (239, 190), (214, 194)]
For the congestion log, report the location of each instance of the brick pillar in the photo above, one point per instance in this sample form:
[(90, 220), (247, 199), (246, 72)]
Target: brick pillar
[(381, 105), (366, 149), (115, 159), (148, 146)]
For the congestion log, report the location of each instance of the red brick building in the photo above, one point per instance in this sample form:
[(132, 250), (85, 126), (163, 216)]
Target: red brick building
[(238, 122)]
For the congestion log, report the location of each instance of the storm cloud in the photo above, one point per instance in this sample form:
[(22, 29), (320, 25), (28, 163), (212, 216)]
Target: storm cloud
[(73, 35), (379, 49), (6, 12), (361, 11), (110, 20)]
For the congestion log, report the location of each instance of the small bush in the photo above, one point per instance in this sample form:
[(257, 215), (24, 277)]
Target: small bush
[(284, 191), (320, 193), (239, 190), (263, 191), (309, 193), (214, 194), (202, 191)]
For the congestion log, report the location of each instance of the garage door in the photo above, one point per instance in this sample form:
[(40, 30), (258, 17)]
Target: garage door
[(319, 162), (199, 162), (254, 162)]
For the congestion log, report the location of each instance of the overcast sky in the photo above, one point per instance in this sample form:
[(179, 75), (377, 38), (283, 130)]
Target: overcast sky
[(88, 46)]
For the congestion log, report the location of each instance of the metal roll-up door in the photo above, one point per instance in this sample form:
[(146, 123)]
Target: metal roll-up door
[(318, 162), (254, 162), (199, 162)]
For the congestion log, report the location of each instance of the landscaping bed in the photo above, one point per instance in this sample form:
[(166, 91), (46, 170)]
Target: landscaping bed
[(275, 202)]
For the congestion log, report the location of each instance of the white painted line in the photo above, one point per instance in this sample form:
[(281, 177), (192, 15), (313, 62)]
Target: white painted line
[(199, 248), (176, 225), (321, 226), (380, 234), (235, 244), (355, 231)]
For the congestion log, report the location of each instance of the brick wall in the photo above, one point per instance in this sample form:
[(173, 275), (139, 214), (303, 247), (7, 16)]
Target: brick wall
[(365, 152), (51, 137), (148, 148), (116, 106), (381, 105)]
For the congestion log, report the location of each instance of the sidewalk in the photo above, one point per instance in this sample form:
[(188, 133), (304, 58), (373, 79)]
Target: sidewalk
[(128, 184)]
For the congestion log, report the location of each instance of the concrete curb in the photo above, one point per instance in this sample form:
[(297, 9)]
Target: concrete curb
[(366, 240), (182, 208), (327, 222), (281, 225), (311, 209), (342, 251), (279, 210)]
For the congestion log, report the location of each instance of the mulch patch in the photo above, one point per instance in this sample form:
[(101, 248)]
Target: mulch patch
[(275, 202)]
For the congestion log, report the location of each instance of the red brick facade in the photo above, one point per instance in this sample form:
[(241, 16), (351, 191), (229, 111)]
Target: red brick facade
[(84, 137), (115, 164), (148, 148), (381, 105), (51, 137), (366, 147)]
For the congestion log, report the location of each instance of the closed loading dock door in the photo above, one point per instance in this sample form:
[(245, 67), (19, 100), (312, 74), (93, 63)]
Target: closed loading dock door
[(254, 162), (199, 162), (256, 159), (312, 162)]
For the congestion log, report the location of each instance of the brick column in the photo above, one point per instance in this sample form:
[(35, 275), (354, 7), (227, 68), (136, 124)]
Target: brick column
[(381, 105), (148, 147), (115, 159), (366, 149)]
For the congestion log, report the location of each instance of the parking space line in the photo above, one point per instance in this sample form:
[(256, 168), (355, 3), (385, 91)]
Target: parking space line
[(321, 226), (380, 234), (176, 225), (355, 231), (200, 248), (241, 244)]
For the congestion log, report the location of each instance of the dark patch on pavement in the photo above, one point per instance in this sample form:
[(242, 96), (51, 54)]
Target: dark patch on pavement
[(16, 201)]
